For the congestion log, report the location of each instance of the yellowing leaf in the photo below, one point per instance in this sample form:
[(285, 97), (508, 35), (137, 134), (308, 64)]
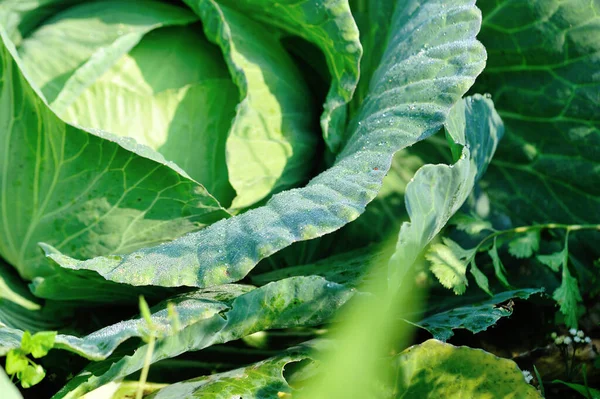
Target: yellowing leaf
[(437, 370)]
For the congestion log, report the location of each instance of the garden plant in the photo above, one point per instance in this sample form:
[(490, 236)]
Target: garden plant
[(308, 199)]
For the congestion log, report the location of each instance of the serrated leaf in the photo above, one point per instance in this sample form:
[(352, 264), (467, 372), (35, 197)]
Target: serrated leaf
[(470, 224), (38, 344), (435, 369), (568, 297), (392, 117), (259, 380), (499, 269), (16, 361), (449, 264), (476, 317), (297, 301), (480, 278), (31, 376), (524, 245), (555, 260)]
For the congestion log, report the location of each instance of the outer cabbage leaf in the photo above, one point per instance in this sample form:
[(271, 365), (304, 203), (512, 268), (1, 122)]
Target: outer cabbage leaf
[(476, 123), (412, 92), (330, 26), (542, 73), (298, 301), (438, 191), (434, 194), (85, 192), (271, 144), (476, 316), (373, 19), (434, 369), (190, 308), (10, 338), (259, 380)]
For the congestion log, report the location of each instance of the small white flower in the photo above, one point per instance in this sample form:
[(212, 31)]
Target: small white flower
[(580, 334), (553, 335), (588, 340), (568, 341), (573, 331), (527, 375), (559, 340), (577, 339)]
